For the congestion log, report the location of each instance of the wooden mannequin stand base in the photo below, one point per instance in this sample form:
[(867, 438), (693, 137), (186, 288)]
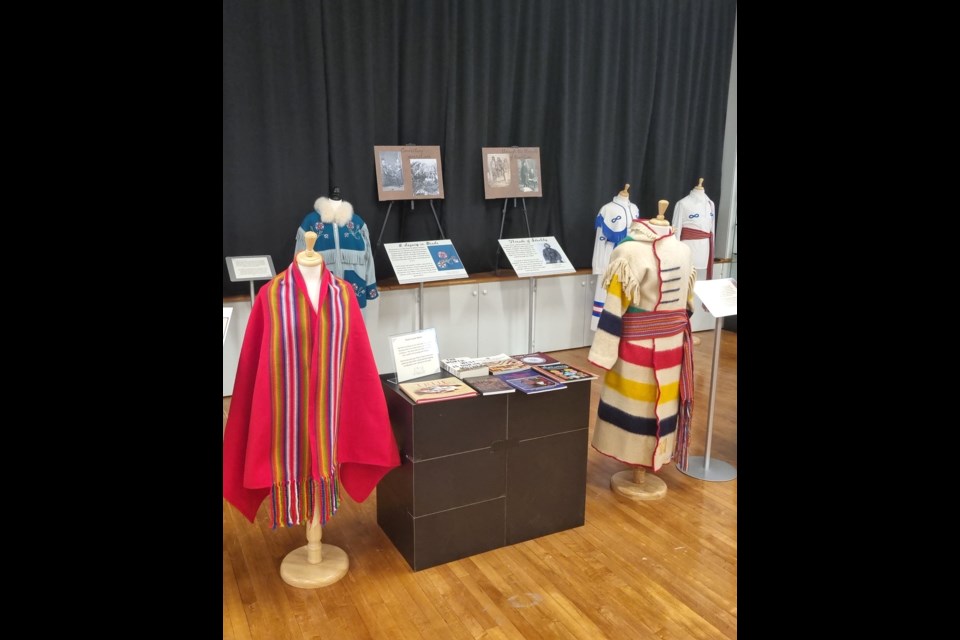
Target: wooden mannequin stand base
[(637, 484), (314, 565)]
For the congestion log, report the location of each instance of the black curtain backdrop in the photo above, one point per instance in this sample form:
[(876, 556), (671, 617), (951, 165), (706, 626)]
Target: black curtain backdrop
[(612, 91)]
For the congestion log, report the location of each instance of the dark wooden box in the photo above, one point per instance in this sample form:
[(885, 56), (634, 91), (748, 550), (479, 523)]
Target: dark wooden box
[(483, 472)]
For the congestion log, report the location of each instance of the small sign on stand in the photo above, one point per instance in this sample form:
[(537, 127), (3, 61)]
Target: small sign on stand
[(720, 299), (415, 354), (425, 261), (532, 257), (252, 268)]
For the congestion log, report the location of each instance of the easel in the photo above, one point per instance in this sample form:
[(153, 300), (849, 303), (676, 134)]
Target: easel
[(390, 207), (503, 219)]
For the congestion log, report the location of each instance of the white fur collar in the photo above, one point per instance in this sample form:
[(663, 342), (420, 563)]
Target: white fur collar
[(331, 212)]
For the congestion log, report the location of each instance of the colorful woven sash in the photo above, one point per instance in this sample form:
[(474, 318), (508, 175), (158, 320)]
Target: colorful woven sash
[(306, 368), (648, 325), (697, 234)]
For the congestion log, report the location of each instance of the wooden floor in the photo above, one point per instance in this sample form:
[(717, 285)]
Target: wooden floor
[(664, 569)]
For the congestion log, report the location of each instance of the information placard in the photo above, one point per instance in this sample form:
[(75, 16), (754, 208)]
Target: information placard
[(718, 296), (415, 354), (425, 261), (250, 268), (536, 256)]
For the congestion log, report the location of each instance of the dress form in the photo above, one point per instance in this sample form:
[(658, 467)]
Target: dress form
[(661, 220), (697, 201), (316, 564), (636, 484), (612, 224), (335, 199)]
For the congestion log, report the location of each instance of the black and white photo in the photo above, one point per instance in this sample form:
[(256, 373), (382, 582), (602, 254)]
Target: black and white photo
[(498, 169), (392, 170), (527, 169), (511, 172), (425, 177), (408, 172)]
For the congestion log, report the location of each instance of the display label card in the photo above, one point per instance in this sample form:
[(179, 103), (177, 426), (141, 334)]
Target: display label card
[(227, 312), (415, 354), (250, 268), (718, 296), (536, 256), (425, 261)]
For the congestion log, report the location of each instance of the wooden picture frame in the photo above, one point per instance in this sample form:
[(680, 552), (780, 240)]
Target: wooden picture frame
[(408, 172), (511, 172)]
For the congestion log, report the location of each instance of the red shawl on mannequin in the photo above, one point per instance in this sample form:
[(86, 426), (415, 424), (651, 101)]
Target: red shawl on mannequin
[(320, 399)]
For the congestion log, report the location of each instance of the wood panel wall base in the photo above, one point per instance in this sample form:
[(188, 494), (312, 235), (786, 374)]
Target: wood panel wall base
[(297, 571), (652, 487)]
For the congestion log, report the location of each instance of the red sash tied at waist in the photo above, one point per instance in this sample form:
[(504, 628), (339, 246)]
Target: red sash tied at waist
[(697, 234)]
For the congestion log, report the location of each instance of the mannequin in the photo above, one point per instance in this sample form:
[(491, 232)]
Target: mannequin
[(308, 415), (344, 240), (643, 340), (314, 565), (694, 219), (661, 220), (611, 224)]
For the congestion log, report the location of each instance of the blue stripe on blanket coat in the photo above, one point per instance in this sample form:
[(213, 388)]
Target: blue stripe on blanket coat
[(610, 323), (634, 424)]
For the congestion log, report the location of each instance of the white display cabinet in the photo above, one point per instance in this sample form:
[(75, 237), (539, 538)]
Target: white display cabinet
[(452, 311), (504, 317), (560, 314), (478, 319), (590, 290), (391, 313), (233, 343)]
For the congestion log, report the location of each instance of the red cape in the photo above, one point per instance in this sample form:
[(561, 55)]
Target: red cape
[(366, 448)]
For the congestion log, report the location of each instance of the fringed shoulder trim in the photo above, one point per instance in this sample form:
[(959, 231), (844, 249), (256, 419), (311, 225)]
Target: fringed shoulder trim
[(629, 283)]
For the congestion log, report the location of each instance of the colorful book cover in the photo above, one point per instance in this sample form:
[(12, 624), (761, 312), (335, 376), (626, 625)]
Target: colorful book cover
[(502, 363), (531, 381), (437, 390), (464, 367), (536, 358), (490, 385), (563, 372)]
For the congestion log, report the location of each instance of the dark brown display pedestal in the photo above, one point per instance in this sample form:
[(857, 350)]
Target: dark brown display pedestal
[(484, 472)]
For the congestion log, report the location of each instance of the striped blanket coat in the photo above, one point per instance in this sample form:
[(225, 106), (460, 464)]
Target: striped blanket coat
[(308, 412), (640, 401)]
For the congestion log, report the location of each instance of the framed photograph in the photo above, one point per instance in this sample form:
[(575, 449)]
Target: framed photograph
[(408, 172), (511, 172)]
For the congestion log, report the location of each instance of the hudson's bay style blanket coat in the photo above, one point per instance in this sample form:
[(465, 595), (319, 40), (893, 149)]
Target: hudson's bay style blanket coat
[(643, 340), (343, 239), (308, 412)]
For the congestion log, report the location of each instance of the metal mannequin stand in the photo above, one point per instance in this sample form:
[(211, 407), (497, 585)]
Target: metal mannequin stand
[(702, 467)]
